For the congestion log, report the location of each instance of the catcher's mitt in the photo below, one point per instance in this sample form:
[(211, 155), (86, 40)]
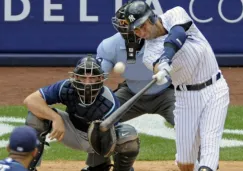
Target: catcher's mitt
[(103, 143)]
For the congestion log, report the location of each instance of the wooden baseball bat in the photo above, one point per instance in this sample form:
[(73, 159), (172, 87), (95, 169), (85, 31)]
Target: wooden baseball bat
[(116, 116)]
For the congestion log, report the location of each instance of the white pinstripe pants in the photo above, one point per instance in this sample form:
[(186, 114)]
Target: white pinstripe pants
[(199, 120)]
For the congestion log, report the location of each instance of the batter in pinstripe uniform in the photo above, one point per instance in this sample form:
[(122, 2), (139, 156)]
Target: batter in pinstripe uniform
[(176, 48)]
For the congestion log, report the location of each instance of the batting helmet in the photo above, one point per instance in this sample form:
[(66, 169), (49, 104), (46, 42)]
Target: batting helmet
[(87, 78), (137, 12)]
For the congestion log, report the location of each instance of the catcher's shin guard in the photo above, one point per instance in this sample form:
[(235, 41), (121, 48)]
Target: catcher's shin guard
[(43, 127), (127, 148)]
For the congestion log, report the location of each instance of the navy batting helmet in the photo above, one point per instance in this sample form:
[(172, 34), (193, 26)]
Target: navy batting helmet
[(137, 12)]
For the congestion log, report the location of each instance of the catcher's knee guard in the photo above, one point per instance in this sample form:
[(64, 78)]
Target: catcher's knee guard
[(43, 127), (204, 168), (127, 147)]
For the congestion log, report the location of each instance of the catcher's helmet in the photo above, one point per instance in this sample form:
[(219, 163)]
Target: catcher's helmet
[(137, 12), (133, 42), (87, 78)]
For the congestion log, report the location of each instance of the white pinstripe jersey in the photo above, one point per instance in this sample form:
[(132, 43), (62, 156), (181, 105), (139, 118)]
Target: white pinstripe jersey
[(195, 62)]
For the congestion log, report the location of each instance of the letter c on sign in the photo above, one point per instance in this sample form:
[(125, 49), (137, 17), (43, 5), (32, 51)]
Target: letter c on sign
[(194, 17), (223, 17)]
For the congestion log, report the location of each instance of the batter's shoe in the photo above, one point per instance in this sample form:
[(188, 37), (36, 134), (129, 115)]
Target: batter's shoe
[(204, 168)]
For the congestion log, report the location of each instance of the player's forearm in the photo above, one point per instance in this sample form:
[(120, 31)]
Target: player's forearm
[(38, 106)]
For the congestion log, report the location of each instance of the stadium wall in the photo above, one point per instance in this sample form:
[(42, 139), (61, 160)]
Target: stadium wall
[(58, 33)]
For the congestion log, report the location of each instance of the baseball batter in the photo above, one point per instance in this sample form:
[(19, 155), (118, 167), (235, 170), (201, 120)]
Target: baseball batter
[(176, 48), (86, 100)]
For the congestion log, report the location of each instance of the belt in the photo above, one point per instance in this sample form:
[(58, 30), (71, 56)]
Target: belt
[(200, 86)]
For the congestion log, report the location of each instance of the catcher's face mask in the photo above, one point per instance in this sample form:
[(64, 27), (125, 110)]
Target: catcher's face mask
[(133, 42), (87, 78)]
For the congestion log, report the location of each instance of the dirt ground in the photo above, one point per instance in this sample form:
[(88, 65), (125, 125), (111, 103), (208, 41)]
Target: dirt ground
[(18, 82), (139, 166)]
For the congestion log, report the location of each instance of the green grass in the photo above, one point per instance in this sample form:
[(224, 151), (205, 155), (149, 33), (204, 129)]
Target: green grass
[(5, 136), (233, 136), (152, 148), (19, 111), (58, 151), (231, 154), (3, 153), (15, 111), (156, 148), (234, 118)]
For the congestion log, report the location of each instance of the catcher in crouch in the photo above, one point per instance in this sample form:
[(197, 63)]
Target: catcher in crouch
[(87, 103)]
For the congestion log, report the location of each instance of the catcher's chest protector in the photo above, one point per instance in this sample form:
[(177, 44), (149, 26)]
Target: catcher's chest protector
[(80, 115)]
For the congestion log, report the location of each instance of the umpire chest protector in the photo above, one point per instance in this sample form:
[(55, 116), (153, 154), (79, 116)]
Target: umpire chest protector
[(82, 115)]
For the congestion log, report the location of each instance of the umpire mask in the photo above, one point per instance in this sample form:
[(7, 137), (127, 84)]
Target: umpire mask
[(87, 78), (133, 42)]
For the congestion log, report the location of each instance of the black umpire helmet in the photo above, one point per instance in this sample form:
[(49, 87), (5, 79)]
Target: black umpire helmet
[(119, 22), (133, 42), (87, 78), (137, 12)]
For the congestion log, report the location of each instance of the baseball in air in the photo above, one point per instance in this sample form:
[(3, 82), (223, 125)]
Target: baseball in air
[(119, 68)]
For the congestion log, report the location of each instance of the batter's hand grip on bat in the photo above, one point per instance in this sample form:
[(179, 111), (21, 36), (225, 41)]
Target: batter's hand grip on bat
[(117, 115)]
